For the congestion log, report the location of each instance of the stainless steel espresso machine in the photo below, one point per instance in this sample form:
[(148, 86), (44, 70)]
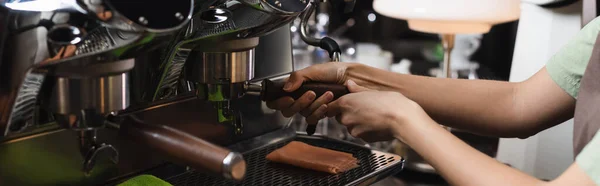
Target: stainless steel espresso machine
[(94, 92)]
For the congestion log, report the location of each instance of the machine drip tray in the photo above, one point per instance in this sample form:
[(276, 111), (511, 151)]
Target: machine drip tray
[(374, 166)]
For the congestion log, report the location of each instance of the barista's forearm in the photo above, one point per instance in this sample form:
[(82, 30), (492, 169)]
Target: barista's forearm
[(480, 106), (456, 161)]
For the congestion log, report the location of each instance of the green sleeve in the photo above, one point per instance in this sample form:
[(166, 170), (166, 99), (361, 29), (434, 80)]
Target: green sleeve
[(568, 65), (144, 180), (589, 159)]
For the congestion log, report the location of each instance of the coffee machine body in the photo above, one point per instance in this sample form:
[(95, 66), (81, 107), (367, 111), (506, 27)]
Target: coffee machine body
[(112, 92), (53, 156)]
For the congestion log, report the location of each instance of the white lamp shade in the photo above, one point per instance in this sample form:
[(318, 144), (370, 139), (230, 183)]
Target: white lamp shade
[(450, 16)]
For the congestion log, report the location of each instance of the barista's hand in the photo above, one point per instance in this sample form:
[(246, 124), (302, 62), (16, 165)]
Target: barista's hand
[(308, 105), (375, 115)]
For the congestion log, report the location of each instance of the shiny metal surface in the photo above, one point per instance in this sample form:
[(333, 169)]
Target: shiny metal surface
[(222, 38), (304, 26), (70, 67), (336, 57), (103, 94), (223, 75), (30, 154), (91, 149), (421, 167), (221, 92), (219, 27), (253, 89), (234, 166), (65, 34), (60, 148), (225, 67), (29, 55), (281, 7), (157, 104), (34, 161), (88, 119), (181, 147), (448, 44), (156, 16), (267, 66), (23, 108)]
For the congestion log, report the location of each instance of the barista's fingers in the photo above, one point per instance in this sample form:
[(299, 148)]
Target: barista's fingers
[(335, 108), (281, 103), (365, 133), (301, 103), (324, 99), (317, 115), (338, 118), (294, 81), (353, 87), (358, 131)]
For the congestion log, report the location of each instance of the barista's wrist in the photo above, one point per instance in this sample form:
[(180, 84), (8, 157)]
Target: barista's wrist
[(408, 125), (364, 76)]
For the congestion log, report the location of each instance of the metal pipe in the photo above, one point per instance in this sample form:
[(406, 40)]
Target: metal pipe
[(336, 57), (448, 44), (304, 26)]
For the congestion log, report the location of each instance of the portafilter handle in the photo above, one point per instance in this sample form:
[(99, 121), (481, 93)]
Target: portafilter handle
[(187, 149), (272, 90)]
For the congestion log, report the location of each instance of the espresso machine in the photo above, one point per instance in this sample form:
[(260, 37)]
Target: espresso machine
[(94, 92)]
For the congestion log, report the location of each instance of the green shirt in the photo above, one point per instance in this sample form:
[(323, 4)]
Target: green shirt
[(568, 65), (566, 68)]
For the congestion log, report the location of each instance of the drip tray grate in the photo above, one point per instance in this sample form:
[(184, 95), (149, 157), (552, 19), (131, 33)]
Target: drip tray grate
[(374, 165)]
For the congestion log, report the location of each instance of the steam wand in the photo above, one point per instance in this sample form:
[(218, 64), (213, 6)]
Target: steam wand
[(324, 43)]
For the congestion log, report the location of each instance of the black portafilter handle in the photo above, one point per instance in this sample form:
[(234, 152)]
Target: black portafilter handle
[(273, 90)]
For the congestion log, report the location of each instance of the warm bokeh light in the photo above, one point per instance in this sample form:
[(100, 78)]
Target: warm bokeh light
[(450, 16)]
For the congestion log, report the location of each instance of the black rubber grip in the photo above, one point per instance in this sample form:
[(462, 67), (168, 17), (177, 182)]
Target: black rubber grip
[(272, 90), (330, 46)]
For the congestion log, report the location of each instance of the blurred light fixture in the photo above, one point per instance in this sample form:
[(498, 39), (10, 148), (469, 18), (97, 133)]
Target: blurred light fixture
[(450, 17)]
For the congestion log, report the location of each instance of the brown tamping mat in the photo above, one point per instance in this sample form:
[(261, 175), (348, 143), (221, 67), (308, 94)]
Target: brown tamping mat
[(315, 158)]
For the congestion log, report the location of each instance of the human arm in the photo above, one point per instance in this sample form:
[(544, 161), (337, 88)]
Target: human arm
[(383, 115), (481, 106), (460, 164), (486, 107)]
